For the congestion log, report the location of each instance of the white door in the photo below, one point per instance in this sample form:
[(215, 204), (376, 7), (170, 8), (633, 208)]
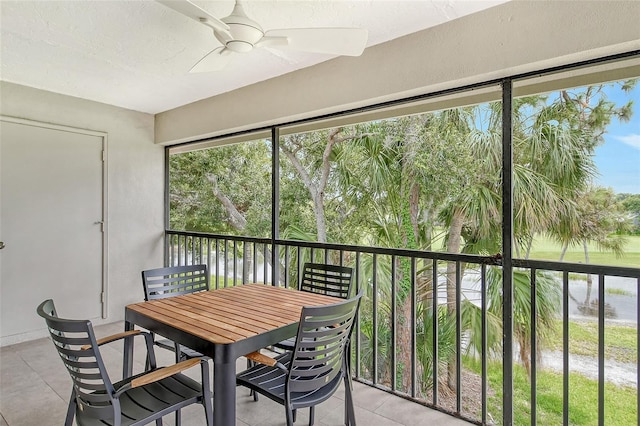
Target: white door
[(51, 213)]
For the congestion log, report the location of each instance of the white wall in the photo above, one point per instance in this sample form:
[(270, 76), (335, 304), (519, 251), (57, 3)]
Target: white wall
[(508, 39), (135, 182)]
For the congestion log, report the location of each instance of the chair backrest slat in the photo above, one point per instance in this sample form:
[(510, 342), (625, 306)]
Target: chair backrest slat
[(174, 281), (319, 359), (331, 280)]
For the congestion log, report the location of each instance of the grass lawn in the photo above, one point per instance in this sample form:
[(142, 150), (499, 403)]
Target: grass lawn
[(220, 283), (620, 342), (620, 402), (545, 248)]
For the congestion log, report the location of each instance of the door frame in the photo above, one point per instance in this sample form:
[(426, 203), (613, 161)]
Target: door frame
[(105, 223)]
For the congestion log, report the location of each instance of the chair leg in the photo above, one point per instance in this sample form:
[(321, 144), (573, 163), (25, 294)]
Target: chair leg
[(349, 410), (147, 362), (208, 412), (71, 410), (291, 415), (207, 395), (311, 415), (178, 418), (252, 392), (178, 353), (159, 422)]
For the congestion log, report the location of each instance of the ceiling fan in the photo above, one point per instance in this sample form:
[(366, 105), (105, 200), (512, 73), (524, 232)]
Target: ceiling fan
[(240, 34)]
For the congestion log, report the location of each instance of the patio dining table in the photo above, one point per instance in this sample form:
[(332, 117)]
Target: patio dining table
[(223, 324)]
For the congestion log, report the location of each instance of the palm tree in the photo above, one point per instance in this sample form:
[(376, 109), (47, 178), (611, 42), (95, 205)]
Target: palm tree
[(398, 172), (475, 215), (547, 297), (586, 112), (600, 221), (382, 156), (553, 164)]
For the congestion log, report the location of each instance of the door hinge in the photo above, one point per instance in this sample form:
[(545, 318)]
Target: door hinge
[(104, 156), (102, 297)]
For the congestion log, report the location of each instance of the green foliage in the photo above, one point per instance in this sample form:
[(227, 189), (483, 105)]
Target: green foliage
[(630, 203), (472, 322), (446, 343), (547, 296), (599, 220), (382, 343), (199, 180)]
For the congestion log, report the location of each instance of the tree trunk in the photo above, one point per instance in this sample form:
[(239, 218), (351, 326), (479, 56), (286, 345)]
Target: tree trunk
[(426, 215), (565, 246), (453, 246), (316, 188), (427, 292), (318, 210), (587, 297), (236, 219), (529, 245), (525, 354), (414, 200), (404, 343)]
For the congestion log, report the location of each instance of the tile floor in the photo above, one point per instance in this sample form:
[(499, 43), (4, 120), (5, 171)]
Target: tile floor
[(34, 391)]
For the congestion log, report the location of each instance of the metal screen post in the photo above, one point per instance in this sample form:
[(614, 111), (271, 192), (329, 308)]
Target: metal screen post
[(507, 254), (275, 205)]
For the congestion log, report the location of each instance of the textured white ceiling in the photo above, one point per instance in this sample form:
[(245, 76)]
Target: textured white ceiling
[(136, 54)]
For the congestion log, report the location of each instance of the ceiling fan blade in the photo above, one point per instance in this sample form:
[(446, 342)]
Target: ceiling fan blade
[(215, 60), (333, 41), (196, 13)]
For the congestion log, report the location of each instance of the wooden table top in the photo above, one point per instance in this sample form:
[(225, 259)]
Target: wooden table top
[(231, 314)]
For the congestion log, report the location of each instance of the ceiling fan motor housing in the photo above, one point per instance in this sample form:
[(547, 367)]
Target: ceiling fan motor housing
[(245, 32)]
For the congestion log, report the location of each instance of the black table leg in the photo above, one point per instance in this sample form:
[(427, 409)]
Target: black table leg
[(127, 361), (224, 393)]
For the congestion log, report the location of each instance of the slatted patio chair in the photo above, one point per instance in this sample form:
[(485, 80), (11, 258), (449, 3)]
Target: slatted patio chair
[(138, 400), (322, 278), (330, 280), (313, 371), (173, 281)]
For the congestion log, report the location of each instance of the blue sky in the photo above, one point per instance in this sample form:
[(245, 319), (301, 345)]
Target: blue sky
[(618, 159)]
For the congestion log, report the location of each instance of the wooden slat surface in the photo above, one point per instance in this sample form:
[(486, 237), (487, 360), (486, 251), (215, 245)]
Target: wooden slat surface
[(231, 314)]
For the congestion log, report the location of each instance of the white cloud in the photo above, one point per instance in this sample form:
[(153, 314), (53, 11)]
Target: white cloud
[(632, 140)]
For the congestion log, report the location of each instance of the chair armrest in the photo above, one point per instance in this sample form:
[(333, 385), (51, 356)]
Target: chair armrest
[(159, 374), (113, 338), (265, 360), (164, 372), (261, 359)]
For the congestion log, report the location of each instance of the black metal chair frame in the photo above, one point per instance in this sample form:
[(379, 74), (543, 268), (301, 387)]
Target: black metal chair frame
[(173, 281), (137, 400), (312, 372)]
